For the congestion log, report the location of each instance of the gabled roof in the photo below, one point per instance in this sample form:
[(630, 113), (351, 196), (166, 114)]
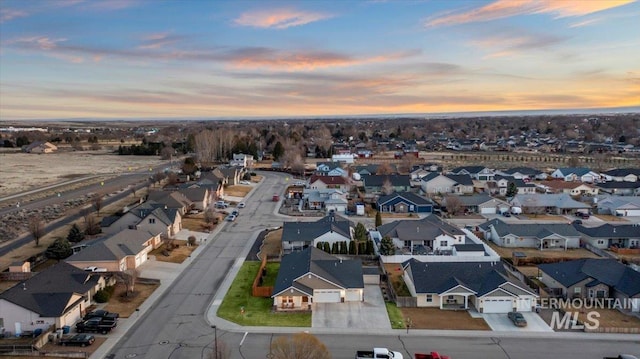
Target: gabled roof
[(194, 194), (427, 228), (468, 169), (559, 200), (50, 292), (608, 271), (537, 230), (308, 231), (169, 198), (379, 180), (615, 184), (621, 172), (328, 180), (523, 170), (313, 261), (578, 171), (407, 196), (564, 184), (108, 220), (439, 277), (611, 231), (433, 175), (476, 199), (128, 242), (464, 180)]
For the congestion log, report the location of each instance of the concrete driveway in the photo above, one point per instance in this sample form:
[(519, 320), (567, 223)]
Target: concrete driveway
[(500, 323), (370, 314)]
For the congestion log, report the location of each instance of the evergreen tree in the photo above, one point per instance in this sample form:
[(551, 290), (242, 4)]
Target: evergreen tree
[(320, 245), (278, 151), (378, 219), (352, 247), (75, 234), (326, 247), (60, 249), (512, 190), (387, 248), (334, 248)]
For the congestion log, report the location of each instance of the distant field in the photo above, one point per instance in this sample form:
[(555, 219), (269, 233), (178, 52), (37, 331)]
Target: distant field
[(24, 171)]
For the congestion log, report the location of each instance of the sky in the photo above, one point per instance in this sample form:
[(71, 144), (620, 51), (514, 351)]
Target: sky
[(66, 59)]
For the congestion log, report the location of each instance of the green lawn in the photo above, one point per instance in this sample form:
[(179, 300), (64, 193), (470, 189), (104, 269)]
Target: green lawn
[(395, 316), (257, 311), (272, 274)]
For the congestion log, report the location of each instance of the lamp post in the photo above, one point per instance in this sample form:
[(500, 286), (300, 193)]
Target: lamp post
[(215, 340)]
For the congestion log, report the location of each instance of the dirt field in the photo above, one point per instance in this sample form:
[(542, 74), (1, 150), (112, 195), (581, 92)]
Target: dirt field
[(177, 255), (434, 318), (549, 253), (272, 244), (237, 191), (127, 306), (24, 171)]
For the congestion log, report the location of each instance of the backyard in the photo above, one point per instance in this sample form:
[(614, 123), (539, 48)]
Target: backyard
[(576, 253), (240, 307)]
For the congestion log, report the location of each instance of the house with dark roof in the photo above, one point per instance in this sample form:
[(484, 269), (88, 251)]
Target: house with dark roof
[(171, 199), (58, 296), (313, 276), (424, 236), (200, 196), (127, 249), (151, 216), (622, 188), (480, 173), (593, 279), (40, 147), (461, 285), (404, 202), (523, 173), (481, 203), (298, 236), (622, 175), (436, 183), (532, 235), (611, 235), (330, 169), (374, 184), (327, 199)]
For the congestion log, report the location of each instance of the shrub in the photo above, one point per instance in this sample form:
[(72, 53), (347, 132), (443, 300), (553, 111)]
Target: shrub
[(102, 296), (191, 240)]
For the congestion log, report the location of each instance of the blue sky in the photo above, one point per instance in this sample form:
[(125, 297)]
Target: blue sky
[(197, 58)]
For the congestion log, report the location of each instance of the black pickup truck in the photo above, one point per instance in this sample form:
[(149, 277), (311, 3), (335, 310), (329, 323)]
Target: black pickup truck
[(105, 315), (79, 339), (95, 325), (623, 356)]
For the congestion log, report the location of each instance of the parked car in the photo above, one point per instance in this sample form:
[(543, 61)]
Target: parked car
[(378, 353), (81, 340), (105, 315), (518, 319), (577, 221), (241, 205), (230, 218), (235, 213), (222, 204), (194, 211), (275, 198), (506, 214), (246, 183)]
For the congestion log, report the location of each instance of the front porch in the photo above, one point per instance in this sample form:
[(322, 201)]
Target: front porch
[(455, 301), (292, 304), (554, 242)]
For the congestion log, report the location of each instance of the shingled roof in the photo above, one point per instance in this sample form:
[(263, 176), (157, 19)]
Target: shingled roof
[(538, 230), (50, 292), (611, 230), (308, 231), (418, 230), (128, 242)]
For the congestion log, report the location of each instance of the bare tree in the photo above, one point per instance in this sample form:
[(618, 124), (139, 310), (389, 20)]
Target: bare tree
[(36, 228), (92, 225), (383, 169), (387, 187), (407, 162), (299, 346), (128, 279), (454, 204), (96, 202), (206, 146), (167, 153)]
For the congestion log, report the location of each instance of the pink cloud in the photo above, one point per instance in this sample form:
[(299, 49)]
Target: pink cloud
[(279, 19), (10, 14), (506, 8)]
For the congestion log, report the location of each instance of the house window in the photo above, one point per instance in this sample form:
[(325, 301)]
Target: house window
[(407, 243), (152, 220), (577, 290), (600, 241), (450, 297), (507, 240), (444, 243), (429, 298), (600, 293)]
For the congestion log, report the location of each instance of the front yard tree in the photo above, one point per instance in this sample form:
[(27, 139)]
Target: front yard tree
[(512, 189), (60, 249), (454, 204), (97, 203), (36, 228), (378, 219), (75, 234), (387, 248), (299, 346)]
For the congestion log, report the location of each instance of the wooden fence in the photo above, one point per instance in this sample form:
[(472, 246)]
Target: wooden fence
[(613, 330), (257, 290), (625, 250)]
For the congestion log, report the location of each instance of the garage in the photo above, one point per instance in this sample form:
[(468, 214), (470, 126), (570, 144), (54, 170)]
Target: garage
[(497, 305), (326, 296), (488, 210), (628, 212), (524, 304), (353, 295)]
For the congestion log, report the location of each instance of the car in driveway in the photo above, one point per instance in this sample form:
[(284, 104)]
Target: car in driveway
[(246, 183), (517, 319), (81, 340)]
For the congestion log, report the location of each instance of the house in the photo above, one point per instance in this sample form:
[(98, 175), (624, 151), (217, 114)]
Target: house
[(328, 198), (151, 216), (532, 235), (435, 183), (330, 169), (58, 296), (479, 173), (500, 186), (560, 203), (573, 189), (404, 202), (313, 276), (242, 160), (619, 188), (428, 235), (127, 249), (330, 182), (611, 235), (481, 203), (593, 279), (618, 206), (171, 199), (344, 157), (297, 236), (524, 173), (233, 174), (622, 175), (570, 174), (462, 285), (40, 147), (378, 183), (200, 197)]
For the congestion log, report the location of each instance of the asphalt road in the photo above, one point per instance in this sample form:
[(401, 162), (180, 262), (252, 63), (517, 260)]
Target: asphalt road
[(176, 326)]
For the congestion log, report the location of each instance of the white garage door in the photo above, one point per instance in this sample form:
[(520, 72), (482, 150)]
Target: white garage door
[(352, 295), (497, 305), (635, 305), (488, 210), (633, 213), (326, 296), (524, 304)]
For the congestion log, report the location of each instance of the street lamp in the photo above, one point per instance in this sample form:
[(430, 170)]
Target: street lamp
[(215, 340)]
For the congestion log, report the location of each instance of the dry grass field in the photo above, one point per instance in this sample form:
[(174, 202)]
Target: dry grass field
[(272, 244), (24, 171)]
